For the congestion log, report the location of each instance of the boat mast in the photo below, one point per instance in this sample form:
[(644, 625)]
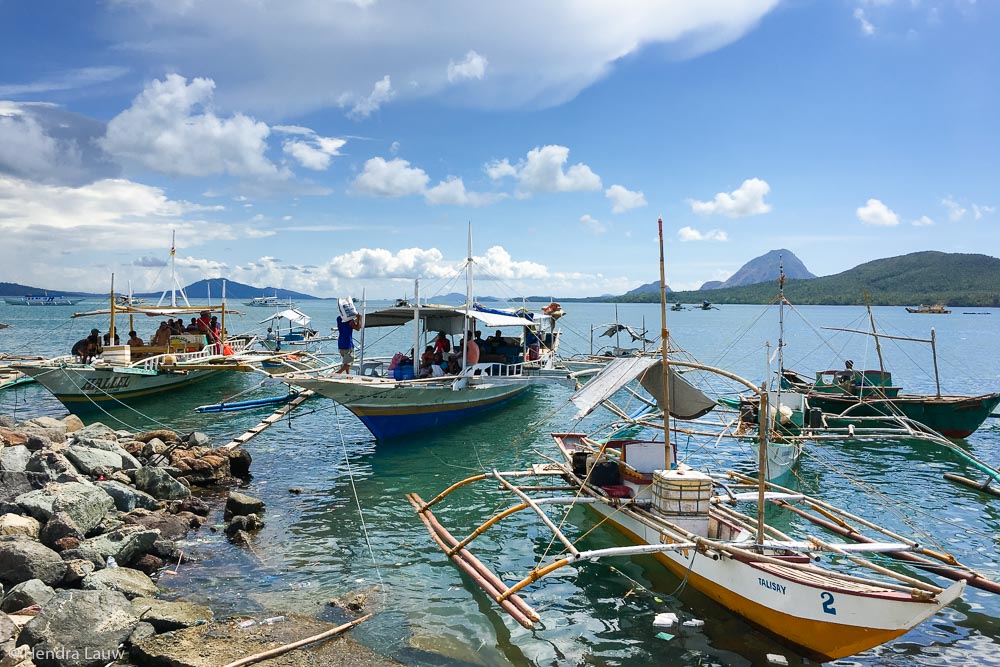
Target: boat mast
[(937, 379), (669, 459), (416, 319), (618, 343), (468, 301), (173, 268), (112, 330), (781, 326), (364, 308), (222, 321), (878, 344)]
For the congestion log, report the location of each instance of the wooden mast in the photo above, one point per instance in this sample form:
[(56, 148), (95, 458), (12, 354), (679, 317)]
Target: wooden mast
[(669, 459), (878, 344)]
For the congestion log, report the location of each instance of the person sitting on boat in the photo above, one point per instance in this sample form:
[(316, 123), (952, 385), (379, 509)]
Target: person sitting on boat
[(134, 340), (442, 344), (479, 341), (345, 341), (426, 362), (192, 327), (205, 325), (214, 327), (846, 377), (107, 339), (162, 336), (495, 342)]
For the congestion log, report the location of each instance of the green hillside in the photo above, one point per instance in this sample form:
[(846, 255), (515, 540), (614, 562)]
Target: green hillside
[(920, 277)]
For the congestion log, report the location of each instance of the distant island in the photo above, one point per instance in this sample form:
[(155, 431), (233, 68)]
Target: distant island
[(964, 280)]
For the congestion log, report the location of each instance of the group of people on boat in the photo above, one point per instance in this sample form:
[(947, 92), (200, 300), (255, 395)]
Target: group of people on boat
[(86, 349)]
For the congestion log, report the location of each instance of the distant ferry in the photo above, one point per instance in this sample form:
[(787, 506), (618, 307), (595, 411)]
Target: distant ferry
[(268, 302), (43, 300)]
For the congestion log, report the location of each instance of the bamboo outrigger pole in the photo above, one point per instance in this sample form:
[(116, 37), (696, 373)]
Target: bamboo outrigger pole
[(669, 459)]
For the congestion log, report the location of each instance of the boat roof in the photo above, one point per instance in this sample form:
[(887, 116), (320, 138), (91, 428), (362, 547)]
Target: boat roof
[(157, 311), (449, 319), (291, 314)]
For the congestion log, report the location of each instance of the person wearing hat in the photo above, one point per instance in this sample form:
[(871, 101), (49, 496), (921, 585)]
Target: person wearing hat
[(88, 348)]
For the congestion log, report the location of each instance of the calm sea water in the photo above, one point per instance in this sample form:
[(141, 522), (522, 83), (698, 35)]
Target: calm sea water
[(351, 529)]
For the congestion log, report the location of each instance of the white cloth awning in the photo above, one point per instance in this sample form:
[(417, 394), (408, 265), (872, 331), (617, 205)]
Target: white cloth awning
[(293, 315), (442, 318)]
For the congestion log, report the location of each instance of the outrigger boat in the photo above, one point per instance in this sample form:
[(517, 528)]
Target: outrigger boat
[(397, 404), (693, 524), (936, 309), (35, 300), (290, 330)]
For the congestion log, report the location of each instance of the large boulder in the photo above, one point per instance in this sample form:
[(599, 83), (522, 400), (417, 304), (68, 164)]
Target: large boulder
[(130, 583), (54, 465), (86, 504), (239, 460), (37, 503), (88, 459), (60, 525), (240, 504), (97, 430), (13, 484), (15, 524), (162, 434), (126, 498), (166, 616), (171, 526), (76, 570), (73, 423), (79, 629), (12, 437), (50, 435), (57, 427), (22, 559), (14, 459), (129, 462), (25, 594), (125, 544), (157, 483)]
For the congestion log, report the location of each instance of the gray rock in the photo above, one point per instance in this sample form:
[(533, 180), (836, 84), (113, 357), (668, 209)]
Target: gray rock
[(25, 594), (22, 559), (87, 459), (96, 430), (239, 461), (51, 424), (153, 447), (240, 504), (125, 544), (37, 443), (157, 483), (166, 616), (7, 629), (14, 459), (73, 423), (129, 462), (58, 526), (126, 498), (13, 484), (54, 465), (130, 583), (198, 439), (86, 504), (15, 524), (140, 632), (84, 627), (37, 504), (247, 523), (76, 570)]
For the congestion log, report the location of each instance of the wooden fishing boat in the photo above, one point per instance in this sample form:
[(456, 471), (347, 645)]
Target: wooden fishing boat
[(694, 524), (936, 309)]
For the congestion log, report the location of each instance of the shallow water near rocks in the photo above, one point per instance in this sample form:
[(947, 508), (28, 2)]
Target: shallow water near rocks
[(350, 529)]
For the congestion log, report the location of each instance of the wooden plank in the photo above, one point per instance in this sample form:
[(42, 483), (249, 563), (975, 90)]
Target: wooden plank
[(269, 420)]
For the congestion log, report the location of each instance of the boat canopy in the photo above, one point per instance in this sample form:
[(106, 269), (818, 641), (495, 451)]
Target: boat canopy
[(686, 401), (293, 315), (444, 318), (165, 311)]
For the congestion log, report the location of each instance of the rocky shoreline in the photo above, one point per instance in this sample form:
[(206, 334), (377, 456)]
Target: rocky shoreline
[(89, 518)]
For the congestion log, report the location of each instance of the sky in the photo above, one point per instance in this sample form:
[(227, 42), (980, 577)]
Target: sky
[(339, 146)]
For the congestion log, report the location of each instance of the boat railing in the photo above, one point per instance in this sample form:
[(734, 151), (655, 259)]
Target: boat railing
[(498, 369)]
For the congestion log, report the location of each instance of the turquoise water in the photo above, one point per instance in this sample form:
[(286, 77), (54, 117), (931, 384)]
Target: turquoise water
[(317, 545)]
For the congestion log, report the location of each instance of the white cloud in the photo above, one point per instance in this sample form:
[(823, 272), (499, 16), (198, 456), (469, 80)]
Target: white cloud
[(452, 192), (624, 199), (748, 199), (979, 211), (381, 93), (592, 225), (691, 234), (877, 214), (543, 171), (497, 263), (296, 56), (473, 67), (376, 263), (955, 210), (392, 178), (164, 131), (922, 221), (866, 26), (314, 152), (69, 80)]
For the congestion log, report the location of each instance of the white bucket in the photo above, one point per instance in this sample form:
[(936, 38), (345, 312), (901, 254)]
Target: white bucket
[(347, 309)]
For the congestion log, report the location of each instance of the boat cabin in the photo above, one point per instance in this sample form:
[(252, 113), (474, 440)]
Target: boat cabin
[(855, 383)]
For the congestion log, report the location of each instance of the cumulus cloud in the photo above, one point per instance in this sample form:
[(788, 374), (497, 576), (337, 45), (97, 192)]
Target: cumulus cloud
[(592, 225), (170, 128), (375, 263), (473, 67), (392, 178), (979, 211), (452, 192), (313, 151), (498, 263), (922, 221), (624, 199), (381, 93), (748, 199), (866, 25), (955, 210), (691, 234), (875, 213), (543, 170), (296, 56)]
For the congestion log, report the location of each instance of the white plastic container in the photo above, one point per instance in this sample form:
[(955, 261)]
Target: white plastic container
[(117, 355), (683, 497)]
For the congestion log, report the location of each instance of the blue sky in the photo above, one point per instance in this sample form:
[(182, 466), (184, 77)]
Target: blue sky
[(332, 146)]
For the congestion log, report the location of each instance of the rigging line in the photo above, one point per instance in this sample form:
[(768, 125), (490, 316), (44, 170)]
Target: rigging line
[(357, 500), (120, 403)]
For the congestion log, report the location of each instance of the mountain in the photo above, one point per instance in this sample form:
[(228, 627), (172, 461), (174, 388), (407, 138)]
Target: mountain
[(235, 290), (653, 287), (920, 277), (765, 269), (15, 289)]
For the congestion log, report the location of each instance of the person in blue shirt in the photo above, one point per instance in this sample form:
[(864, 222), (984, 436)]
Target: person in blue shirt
[(345, 341)]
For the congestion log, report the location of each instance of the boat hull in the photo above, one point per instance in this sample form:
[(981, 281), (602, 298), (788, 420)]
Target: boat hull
[(393, 409), (84, 389), (951, 416)]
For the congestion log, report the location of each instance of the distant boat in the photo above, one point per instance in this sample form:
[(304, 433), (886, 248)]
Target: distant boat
[(45, 300), (936, 309), (290, 329), (268, 302), (677, 306), (126, 300), (706, 305)]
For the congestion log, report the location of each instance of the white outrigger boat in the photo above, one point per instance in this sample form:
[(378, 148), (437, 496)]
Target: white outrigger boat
[(290, 330), (693, 523), (44, 300)]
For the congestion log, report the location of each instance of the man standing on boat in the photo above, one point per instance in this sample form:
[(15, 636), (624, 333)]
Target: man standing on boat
[(345, 340)]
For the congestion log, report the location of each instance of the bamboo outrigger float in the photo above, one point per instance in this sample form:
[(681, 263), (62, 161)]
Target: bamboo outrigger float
[(695, 525)]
